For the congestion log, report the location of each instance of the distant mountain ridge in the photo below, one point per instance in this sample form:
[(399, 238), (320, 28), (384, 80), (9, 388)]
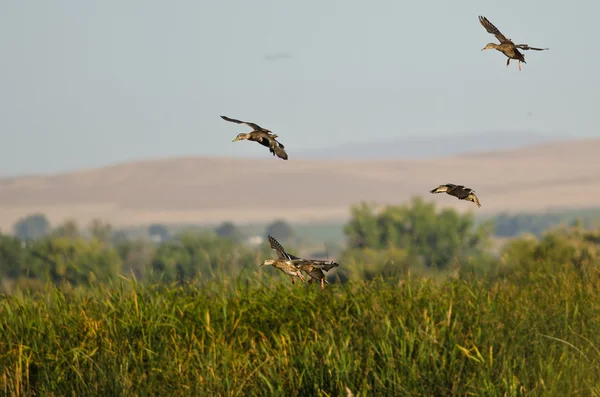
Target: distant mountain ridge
[(208, 190), (431, 146)]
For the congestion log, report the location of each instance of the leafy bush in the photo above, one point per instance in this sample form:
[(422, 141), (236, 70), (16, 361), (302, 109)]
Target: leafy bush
[(205, 255), (430, 237)]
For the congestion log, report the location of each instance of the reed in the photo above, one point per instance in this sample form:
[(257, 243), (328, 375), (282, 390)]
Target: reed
[(533, 334)]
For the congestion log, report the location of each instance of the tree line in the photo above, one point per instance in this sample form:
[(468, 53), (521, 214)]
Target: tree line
[(393, 240)]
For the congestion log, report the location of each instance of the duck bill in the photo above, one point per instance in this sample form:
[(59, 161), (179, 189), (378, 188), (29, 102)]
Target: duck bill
[(236, 139)]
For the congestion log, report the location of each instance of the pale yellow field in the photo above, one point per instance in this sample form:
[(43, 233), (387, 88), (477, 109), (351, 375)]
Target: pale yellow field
[(199, 190)]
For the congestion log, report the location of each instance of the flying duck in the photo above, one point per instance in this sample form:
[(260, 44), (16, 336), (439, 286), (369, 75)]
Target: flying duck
[(506, 46), (458, 191), (261, 135)]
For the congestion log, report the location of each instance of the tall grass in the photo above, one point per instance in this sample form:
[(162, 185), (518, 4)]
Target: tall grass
[(534, 333)]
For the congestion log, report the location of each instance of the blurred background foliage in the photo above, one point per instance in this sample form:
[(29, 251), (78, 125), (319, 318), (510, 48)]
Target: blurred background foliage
[(390, 241)]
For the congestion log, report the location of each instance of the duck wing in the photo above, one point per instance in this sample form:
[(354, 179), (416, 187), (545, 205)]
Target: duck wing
[(254, 126), (527, 47), (325, 265), (268, 140), (281, 254), (279, 150), (493, 30), (472, 197), (444, 188)]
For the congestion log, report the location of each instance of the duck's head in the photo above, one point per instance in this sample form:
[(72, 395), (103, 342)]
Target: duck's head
[(490, 46), (267, 262), (242, 136)]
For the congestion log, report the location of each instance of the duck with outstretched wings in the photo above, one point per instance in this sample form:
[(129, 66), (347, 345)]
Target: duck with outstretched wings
[(313, 268), (458, 191), (261, 135), (506, 46)]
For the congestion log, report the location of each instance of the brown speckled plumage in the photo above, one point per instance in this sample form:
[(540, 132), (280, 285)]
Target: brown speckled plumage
[(506, 46), (313, 268), (458, 191), (261, 135)]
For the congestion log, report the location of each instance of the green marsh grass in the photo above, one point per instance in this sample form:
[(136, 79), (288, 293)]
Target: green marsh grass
[(531, 333)]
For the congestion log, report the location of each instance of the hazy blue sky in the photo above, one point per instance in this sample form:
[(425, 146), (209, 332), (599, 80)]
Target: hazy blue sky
[(86, 83)]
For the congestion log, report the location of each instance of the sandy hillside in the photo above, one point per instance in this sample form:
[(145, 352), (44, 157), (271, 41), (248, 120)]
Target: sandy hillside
[(198, 190)]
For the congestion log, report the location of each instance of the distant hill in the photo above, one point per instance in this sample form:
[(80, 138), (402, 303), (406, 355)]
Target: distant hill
[(210, 190), (430, 146)]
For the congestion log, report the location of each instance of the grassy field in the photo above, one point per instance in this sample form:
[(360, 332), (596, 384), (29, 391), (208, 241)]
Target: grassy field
[(534, 332)]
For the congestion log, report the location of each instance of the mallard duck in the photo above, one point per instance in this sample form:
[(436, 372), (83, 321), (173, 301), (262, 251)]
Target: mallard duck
[(313, 268), (282, 254), (458, 191), (313, 271), (286, 266), (506, 46), (261, 135)]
